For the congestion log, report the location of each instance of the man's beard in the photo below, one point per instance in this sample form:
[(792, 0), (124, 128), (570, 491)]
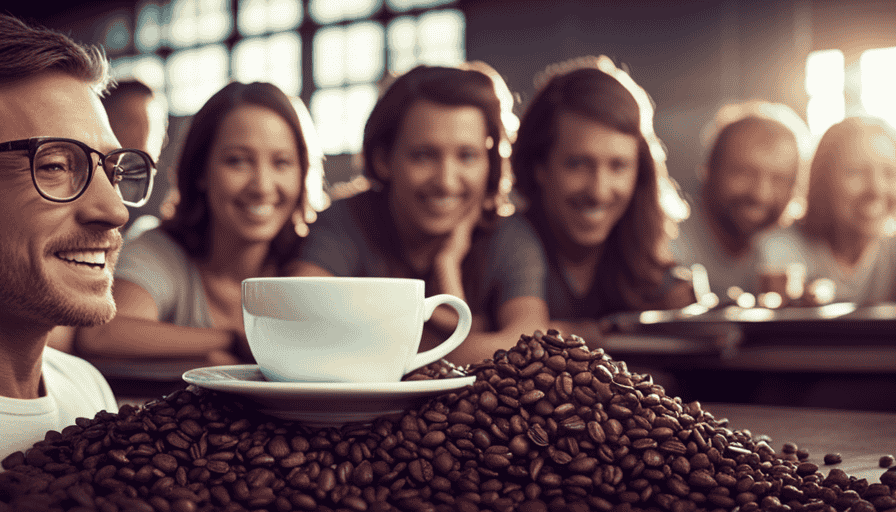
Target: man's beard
[(28, 293), (726, 218)]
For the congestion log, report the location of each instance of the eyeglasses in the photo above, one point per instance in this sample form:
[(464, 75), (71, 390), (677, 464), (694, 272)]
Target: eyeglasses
[(61, 169)]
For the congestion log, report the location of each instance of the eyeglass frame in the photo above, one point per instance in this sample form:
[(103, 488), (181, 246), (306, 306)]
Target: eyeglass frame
[(32, 144)]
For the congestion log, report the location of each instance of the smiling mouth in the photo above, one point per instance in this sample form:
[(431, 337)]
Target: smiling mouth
[(92, 259)]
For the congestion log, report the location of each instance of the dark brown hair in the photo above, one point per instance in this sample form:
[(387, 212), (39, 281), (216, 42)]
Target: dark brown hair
[(635, 253), (819, 222), (26, 51), (446, 86), (191, 222)]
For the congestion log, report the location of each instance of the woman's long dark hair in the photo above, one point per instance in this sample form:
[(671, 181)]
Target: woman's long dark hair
[(635, 254), (445, 86), (191, 221)]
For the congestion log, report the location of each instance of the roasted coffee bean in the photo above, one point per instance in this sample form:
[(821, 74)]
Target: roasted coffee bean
[(886, 461), (832, 458), (548, 423)]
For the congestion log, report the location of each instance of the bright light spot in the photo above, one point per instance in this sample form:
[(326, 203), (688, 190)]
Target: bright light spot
[(441, 29), (695, 309), (249, 60), (149, 69), (822, 112), (405, 5), (328, 112), (330, 11), (359, 102), (253, 16), (402, 33), (771, 300), (825, 72), (835, 310), (364, 51), (149, 32), (796, 280), (194, 76), (709, 300), (752, 315), (824, 290), (651, 317), (733, 292), (275, 59), (878, 72), (401, 61), (329, 57), (746, 300), (284, 14)]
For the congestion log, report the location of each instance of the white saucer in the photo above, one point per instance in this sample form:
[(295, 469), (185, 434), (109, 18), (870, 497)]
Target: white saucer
[(321, 404)]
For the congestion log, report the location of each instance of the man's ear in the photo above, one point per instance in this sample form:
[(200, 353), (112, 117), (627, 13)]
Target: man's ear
[(381, 167)]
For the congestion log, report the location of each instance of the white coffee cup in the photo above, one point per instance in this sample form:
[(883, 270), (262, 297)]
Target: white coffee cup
[(343, 329)]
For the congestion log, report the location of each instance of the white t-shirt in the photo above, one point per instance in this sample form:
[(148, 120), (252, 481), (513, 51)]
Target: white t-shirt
[(873, 280), (74, 389)]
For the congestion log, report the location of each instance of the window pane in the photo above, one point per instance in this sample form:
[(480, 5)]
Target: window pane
[(328, 54), (194, 75), (402, 33), (878, 72), (441, 56), (823, 111), (215, 20), (359, 102), (182, 30), (118, 33), (284, 14), (442, 29), (285, 62), (401, 61), (252, 17), (249, 59), (364, 51), (149, 69), (330, 11), (825, 72), (404, 5), (149, 28), (328, 111)]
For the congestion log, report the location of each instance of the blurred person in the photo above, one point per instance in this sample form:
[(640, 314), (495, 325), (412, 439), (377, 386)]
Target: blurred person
[(241, 184), (435, 146), (844, 237), (587, 161), (63, 186), (752, 181)]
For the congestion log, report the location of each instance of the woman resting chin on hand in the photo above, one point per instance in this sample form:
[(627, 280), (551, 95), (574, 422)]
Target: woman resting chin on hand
[(241, 182)]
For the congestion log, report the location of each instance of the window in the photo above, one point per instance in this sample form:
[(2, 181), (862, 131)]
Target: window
[(825, 81), (194, 75), (276, 59), (878, 78)]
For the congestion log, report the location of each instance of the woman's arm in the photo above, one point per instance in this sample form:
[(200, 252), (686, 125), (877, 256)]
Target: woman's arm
[(137, 332)]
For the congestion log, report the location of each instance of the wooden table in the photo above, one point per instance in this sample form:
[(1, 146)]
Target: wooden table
[(861, 438)]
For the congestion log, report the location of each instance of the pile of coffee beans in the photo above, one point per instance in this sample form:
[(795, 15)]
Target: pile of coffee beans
[(548, 425)]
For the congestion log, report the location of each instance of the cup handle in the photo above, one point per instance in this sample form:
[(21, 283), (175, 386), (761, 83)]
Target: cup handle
[(464, 322)]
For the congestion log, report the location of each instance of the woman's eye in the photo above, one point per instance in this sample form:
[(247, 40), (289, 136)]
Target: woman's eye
[(468, 156)]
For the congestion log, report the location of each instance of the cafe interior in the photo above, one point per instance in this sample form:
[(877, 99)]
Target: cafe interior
[(822, 374)]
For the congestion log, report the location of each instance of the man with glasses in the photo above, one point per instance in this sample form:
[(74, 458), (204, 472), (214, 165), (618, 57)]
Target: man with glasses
[(64, 184)]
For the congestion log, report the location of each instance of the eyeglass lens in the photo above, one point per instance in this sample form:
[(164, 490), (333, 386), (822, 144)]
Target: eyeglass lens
[(61, 170)]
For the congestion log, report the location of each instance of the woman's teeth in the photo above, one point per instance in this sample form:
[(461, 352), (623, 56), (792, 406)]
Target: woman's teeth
[(261, 210)]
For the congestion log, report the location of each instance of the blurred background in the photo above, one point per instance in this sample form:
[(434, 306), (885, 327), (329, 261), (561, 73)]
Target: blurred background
[(826, 59)]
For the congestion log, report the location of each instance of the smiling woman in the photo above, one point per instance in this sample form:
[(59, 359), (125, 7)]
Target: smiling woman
[(241, 181)]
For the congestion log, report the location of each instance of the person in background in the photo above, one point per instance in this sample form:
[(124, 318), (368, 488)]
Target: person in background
[(752, 180), (435, 146), (589, 165), (845, 237), (242, 196), (64, 184)]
